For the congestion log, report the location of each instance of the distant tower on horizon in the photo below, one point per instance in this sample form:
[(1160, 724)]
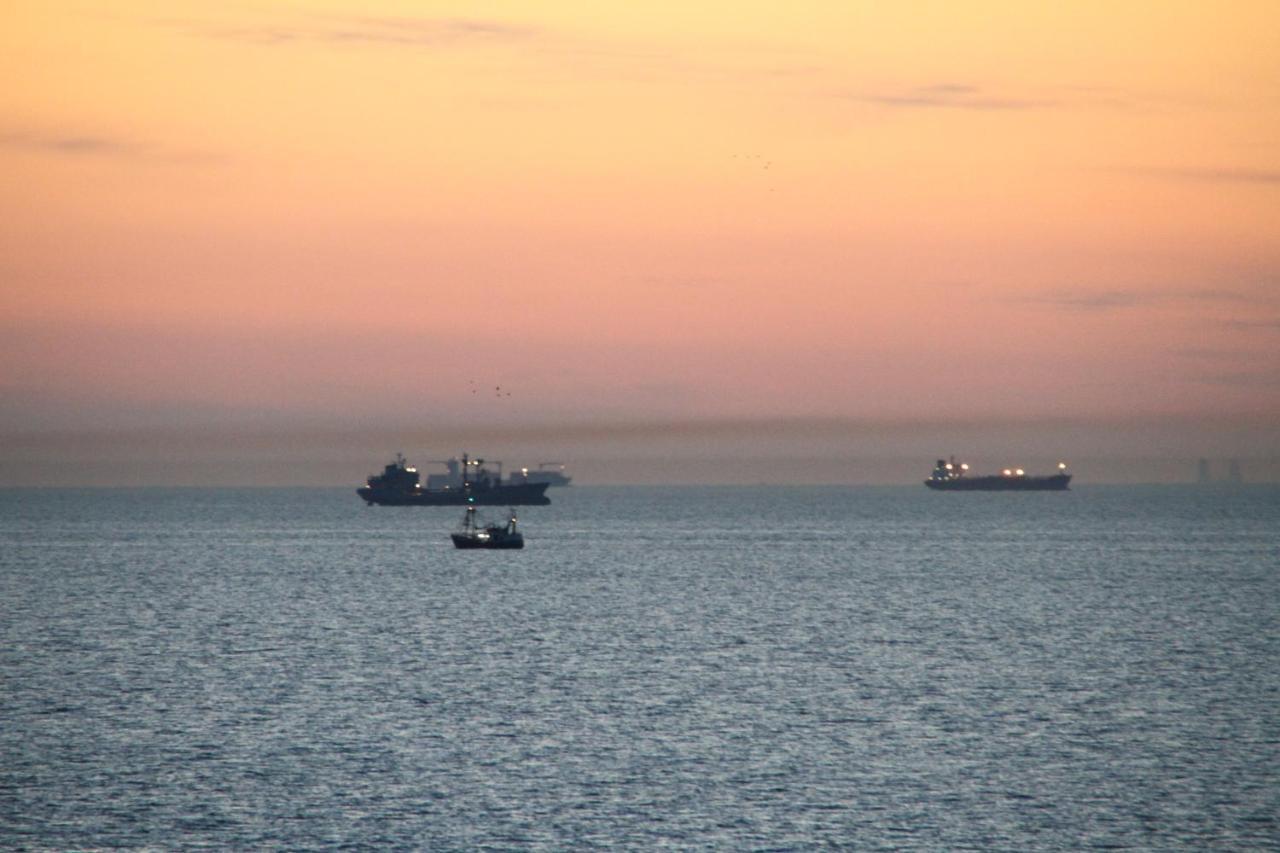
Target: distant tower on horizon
[(1233, 472), (1202, 472)]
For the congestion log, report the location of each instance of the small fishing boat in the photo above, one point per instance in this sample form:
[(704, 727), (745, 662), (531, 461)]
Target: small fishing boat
[(472, 534)]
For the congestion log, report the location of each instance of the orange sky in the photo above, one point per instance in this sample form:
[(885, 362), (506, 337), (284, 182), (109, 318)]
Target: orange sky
[(356, 212)]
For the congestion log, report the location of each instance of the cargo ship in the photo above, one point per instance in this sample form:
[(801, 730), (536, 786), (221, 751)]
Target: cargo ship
[(469, 482), (551, 473), (952, 476)]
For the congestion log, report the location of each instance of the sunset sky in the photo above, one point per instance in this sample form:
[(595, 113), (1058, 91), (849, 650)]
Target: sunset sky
[(401, 220)]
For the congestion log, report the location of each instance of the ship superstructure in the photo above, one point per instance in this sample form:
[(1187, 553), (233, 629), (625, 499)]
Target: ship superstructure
[(551, 473)]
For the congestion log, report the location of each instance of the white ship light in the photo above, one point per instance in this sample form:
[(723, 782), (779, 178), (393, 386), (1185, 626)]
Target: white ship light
[(1062, 466), (1007, 472), (964, 466), (1021, 472), (948, 466)]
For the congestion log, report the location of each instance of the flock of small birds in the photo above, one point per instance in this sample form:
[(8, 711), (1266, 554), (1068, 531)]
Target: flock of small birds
[(764, 164), (497, 389), (755, 160)]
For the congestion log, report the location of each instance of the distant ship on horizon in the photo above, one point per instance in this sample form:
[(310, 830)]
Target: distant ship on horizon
[(952, 476), (551, 473), (1204, 474), (468, 482)]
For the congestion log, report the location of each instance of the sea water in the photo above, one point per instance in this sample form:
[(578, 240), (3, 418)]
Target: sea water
[(764, 668)]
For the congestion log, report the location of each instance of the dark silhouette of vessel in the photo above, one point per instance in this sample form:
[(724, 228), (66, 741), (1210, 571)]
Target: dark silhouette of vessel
[(472, 534), (398, 485), (952, 476)]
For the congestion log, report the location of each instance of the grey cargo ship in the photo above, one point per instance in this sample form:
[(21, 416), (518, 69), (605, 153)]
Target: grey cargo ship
[(952, 476), (468, 482)]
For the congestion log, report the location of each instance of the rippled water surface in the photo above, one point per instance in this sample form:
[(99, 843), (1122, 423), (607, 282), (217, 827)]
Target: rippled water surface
[(730, 667)]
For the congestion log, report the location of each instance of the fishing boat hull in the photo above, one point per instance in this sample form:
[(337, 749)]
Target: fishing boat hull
[(463, 541)]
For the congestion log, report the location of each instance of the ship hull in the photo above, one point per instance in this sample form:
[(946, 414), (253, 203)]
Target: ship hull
[(461, 540), (522, 494), (1054, 483)]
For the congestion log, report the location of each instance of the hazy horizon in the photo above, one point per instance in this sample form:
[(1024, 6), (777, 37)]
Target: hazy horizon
[(782, 451)]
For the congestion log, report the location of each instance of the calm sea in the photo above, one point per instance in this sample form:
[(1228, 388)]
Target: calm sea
[(762, 668)]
